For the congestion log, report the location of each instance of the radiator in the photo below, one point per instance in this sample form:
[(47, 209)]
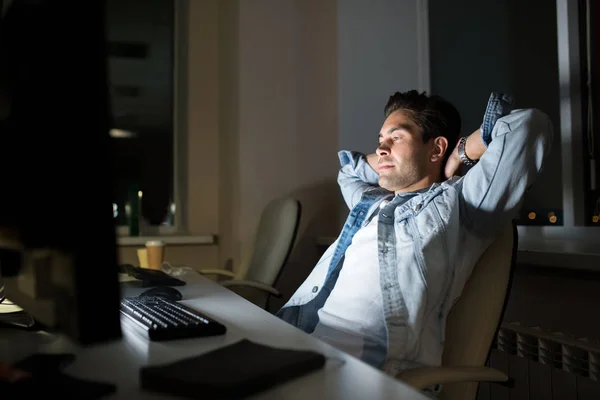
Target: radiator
[(544, 365)]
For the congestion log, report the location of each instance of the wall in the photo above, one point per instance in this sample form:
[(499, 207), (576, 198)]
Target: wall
[(229, 160), (287, 124), (262, 123), (383, 48)]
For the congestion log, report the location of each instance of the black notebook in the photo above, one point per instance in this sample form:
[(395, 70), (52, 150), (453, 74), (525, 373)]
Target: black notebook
[(232, 372)]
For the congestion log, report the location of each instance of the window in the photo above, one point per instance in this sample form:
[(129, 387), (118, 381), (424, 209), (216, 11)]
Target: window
[(551, 65), (141, 45), (484, 50), (577, 55)]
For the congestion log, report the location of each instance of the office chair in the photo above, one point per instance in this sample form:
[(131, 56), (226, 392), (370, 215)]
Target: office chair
[(472, 325), (273, 244)]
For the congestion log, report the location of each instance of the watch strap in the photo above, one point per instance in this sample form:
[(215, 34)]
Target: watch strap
[(462, 153)]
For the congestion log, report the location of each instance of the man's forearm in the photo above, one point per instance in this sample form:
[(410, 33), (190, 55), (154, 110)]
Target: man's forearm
[(355, 175), (474, 147)]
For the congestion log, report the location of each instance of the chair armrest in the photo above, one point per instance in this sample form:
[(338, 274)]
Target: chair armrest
[(251, 284), (421, 378), (216, 271)]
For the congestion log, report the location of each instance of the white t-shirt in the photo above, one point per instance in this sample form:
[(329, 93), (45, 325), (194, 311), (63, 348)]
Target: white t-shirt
[(353, 311)]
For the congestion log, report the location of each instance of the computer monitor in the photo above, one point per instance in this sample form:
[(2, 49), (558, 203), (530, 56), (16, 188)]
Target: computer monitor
[(59, 259)]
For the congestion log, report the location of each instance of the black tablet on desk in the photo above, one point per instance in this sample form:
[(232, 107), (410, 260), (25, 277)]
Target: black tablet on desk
[(144, 277)]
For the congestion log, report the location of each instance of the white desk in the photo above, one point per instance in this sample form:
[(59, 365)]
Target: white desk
[(343, 376)]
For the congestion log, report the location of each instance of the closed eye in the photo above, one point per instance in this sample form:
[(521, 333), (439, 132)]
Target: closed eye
[(395, 139)]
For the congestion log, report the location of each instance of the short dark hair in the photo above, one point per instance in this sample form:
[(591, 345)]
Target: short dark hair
[(433, 114)]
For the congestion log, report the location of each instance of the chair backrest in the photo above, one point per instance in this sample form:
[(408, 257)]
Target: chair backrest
[(475, 318), (274, 240)]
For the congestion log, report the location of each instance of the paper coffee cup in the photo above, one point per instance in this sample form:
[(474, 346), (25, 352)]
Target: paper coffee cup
[(155, 250), (143, 257)]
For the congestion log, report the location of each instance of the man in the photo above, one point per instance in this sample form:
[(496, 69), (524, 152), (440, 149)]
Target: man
[(383, 290)]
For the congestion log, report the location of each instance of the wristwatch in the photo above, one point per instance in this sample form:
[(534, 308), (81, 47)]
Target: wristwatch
[(462, 154)]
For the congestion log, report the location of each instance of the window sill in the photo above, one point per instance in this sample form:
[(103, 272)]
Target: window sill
[(182, 240)]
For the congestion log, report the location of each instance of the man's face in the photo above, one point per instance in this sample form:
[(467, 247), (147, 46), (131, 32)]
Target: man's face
[(403, 157)]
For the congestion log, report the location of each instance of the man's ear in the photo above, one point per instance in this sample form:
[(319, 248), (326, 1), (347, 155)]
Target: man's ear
[(440, 147)]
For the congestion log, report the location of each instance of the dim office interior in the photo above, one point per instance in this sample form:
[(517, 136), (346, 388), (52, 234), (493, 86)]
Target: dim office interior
[(219, 107)]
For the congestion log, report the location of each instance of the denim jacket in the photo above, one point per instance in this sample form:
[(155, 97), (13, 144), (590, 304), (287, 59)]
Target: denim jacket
[(429, 243)]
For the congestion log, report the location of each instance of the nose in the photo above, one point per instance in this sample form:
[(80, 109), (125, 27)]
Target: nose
[(383, 150)]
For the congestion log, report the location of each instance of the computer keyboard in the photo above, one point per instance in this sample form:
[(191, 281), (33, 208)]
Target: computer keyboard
[(159, 319)]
